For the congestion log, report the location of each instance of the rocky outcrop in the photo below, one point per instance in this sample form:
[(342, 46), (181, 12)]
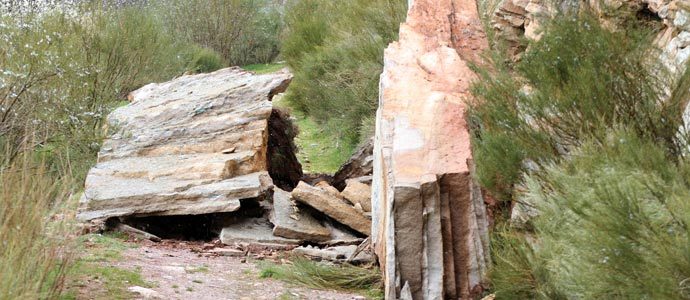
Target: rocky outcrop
[(332, 206), (195, 145), (429, 222)]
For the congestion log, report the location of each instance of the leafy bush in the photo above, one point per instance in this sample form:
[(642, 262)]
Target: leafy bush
[(613, 224), (241, 31), (576, 82), (62, 74), (335, 50), (205, 61)]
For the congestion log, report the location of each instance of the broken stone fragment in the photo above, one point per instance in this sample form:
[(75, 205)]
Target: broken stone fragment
[(252, 230), (324, 185), (332, 206), (358, 193), (335, 254), (292, 223), (195, 145)]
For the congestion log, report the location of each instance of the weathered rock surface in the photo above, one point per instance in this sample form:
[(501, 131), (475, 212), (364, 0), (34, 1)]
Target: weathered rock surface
[(429, 221), (336, 254), (292, 223), (332, 206), (358, 193), (252, 230), (359, 165), (194, 145)]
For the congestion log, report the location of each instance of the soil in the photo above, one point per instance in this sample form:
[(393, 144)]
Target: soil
[(188, 270)]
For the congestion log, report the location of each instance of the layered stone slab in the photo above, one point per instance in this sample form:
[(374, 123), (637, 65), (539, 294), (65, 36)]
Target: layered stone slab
[(293, 223), (429, 226), (332, 206), (195, 145)]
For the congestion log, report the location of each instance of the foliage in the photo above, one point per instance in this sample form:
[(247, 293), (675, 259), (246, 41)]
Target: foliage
[(34, 243), (98, 254), (335, 50), (613, 224), (587, 130), (576, 82), (241, 31), (320, 151), (324, 276), (204, 60), (61, 75), (264, 68)]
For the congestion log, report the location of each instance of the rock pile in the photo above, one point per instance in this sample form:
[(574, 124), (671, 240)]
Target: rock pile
[(209, 151)]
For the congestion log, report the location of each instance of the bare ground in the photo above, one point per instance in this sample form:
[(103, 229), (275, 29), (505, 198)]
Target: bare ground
[(179, 270)]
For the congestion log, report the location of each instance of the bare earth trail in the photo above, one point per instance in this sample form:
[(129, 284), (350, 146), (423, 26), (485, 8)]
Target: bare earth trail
[(176, 272)]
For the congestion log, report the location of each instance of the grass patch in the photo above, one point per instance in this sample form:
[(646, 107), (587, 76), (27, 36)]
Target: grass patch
[(199, 269), (265, 68), (320, 150), (327, 277), (94, 275)]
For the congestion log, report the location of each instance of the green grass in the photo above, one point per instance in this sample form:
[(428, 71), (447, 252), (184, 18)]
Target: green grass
[(199, 269), (320, 151), (318, 275), (95, 270), (265, 68)]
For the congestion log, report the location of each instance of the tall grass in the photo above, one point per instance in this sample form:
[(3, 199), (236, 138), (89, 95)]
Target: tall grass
[(318, 275), (34, 231)]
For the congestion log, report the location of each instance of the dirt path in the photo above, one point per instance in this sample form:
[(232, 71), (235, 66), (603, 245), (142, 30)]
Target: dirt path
[(176, 272)]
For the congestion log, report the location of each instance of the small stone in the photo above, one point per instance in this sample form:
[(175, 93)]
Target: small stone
[(228, 150), (145, 293)]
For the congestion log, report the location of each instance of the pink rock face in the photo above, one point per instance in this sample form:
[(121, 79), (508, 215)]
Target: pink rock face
[(429, 222)]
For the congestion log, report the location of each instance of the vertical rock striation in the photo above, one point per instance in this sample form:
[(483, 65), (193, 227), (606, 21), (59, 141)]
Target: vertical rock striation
[(429, 222)]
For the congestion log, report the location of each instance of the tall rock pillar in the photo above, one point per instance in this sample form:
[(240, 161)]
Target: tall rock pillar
[(429, 221)]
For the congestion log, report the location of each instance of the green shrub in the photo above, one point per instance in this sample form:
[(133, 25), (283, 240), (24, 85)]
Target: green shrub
[(241, 31), (576, 82), (205, 61), (613, 224), (61, 75), (335, 50)]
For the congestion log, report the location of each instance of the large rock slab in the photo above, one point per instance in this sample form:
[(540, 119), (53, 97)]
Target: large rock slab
[(292, 223), (332, 206), (429, 225), (194, 145)]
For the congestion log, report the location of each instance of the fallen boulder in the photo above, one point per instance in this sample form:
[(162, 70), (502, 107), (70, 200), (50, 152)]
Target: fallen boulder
[(429, 221), (292, 223), (332, 206), (195, 145), (358, 193)]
